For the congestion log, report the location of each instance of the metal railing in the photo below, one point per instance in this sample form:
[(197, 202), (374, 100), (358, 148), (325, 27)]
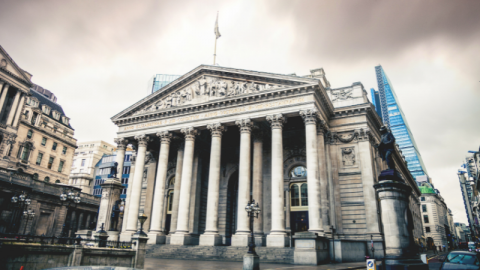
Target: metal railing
[(53, 240)]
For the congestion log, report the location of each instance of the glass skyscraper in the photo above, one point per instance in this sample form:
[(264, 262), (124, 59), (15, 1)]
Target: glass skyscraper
[(162, 80), (393, 117)]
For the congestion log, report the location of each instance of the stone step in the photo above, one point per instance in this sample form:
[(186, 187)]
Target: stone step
[(224, 253)]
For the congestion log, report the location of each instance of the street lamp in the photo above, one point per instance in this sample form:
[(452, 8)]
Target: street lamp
[(22, 201), (142, 217), (28, 214), (68, 195), (252, 210)]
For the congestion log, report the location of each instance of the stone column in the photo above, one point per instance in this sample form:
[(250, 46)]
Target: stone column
[(136, 185), (156, 234), (73, 225), (277, 236), (87, 221), (120, 159), (244, 177), (287, 210), (211, 236), (176, 188), (322, 169), (313, 181), (80, 221), (4, 95), (19, 111), (13, 108), (181, 236), (257, 187)]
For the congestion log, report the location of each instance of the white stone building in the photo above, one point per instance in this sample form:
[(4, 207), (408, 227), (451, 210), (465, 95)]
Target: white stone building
[(434, 216), (83, 166), (304, 150)]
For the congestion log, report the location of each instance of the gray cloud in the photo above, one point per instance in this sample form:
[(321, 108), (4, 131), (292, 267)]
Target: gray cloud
[(98, 56)]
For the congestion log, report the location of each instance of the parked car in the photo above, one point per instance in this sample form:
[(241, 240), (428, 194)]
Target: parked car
[(461, 260)]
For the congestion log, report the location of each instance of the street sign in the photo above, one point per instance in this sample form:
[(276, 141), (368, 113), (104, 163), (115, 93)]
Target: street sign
[(371, 265)]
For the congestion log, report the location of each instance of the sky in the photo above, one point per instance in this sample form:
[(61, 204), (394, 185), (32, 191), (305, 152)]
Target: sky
[(99, 57)]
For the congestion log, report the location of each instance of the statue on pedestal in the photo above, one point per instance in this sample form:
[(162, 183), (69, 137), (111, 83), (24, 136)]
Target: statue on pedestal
[(113, 170), (387, 147)]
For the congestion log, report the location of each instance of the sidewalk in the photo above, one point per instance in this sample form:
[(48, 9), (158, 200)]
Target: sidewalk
[(167, 264)]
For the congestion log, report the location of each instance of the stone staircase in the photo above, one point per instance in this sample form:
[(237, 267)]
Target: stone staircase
[(219, 253)]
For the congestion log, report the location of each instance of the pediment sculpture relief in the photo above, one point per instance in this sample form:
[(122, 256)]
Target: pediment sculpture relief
[(341, 94), (208, 88)]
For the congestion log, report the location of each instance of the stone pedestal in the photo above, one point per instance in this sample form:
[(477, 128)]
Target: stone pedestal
[(251, 262), (183, 240), (111, 190), (210, 240), (278, 240), (394, 195), (140, 248), (240, 240), (310, 249), (260, 240), (156, 238)]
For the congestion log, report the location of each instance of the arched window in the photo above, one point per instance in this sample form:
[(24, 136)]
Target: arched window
[(29, 134), (35, 176), (298, 172), (172, 182), (47, 179), (299, 196), (57, 181)]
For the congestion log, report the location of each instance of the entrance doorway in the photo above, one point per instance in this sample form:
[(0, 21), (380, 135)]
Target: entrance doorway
[(299, 207), (232, 198)]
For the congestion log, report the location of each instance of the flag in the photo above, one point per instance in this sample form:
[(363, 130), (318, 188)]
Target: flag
[(217, 32)]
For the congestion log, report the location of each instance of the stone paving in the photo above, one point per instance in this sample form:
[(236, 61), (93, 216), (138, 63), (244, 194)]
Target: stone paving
[(167, 264)]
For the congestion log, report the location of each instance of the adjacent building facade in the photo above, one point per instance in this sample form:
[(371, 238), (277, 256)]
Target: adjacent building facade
[(305, 151), (394, 118), (83, 166), (161, 80), (434, 217), (103, 170)]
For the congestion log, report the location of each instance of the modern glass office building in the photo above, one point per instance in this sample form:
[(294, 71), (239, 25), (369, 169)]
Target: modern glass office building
[(394, 118), (376, 101), (102, 172), (161, 80)]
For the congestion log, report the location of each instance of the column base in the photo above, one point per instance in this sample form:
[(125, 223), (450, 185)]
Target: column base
[(260, 240), (251, 262), (126, 236), (183, 240), (240, 240), (210, 240), (278, 240), (156, 238)]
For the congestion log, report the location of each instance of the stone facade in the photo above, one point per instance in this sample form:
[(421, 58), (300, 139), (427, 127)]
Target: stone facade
[(435, 219), (305, 151)]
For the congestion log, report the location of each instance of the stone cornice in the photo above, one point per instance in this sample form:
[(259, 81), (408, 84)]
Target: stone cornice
[(217, 104), (231, 73), (15, 78), (71, 144)]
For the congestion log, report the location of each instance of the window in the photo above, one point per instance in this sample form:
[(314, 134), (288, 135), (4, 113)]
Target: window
[(34, 118), (50, 162), (170, 201), (108, 159), (39, 158), (35, 176), (422, 199), (64, 151), (60, 166), (73, 163), (44, 141), (29, 134), (83, 162), (298, 195), (124, 180), (295, 195), (298, 172), (56, 115), (26, 152), (57, 181), (47, 179), (427, 229), (424, 208), (65, 120), (124, 191), (54, 146), (126, 170), (304, 194), (128, 157), (425, 218), (45, 109)]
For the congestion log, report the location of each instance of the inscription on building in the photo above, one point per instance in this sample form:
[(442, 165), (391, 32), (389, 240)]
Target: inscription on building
[(217, 113)]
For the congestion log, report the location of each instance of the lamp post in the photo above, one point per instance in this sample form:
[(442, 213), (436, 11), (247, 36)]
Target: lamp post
[(142, 218), (22, 202), (69, 196), (28, 214), (251, 260)]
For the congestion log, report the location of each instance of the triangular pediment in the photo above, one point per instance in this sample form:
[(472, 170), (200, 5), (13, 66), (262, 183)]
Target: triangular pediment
[(7, 64), (209, 84)]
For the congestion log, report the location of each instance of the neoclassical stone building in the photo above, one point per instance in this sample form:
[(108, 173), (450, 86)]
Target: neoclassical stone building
[(217, 137)]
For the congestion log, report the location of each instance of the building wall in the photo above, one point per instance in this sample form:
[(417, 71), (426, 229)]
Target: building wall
[(437, 216)]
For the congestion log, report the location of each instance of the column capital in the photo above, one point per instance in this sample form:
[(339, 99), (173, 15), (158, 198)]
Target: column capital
[(216, 129), (142, 139), (276, 121), (245, 125), (165, 137), (121, 143), (310, 116), (322, 128), (189, 133)]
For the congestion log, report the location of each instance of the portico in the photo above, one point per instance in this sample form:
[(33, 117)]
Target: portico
[(223, 136)]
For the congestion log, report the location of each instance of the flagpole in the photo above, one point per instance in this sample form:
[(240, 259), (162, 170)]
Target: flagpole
[(215, 51)]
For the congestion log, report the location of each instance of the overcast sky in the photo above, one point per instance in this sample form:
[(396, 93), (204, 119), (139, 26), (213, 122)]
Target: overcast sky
[(98, 57)]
